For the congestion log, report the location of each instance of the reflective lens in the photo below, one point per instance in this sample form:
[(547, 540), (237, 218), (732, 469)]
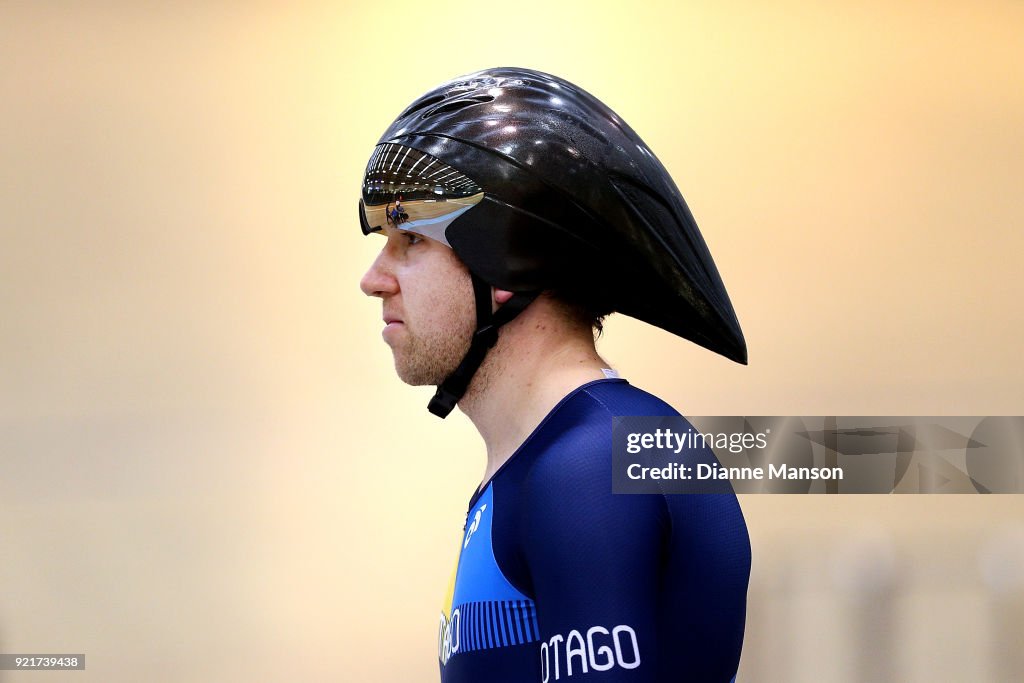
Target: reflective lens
[(413, 191)]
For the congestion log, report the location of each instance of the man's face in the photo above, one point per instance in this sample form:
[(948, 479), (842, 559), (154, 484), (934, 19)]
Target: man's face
[(428, 304)]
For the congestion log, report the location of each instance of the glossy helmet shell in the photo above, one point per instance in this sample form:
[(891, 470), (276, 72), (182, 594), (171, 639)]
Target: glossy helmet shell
[(573, 200)]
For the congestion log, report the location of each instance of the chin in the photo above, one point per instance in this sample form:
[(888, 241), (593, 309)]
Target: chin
[(421, 374), (415, 377)]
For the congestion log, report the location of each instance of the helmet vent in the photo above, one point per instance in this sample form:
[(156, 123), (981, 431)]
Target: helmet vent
[(422, 104), (456, 105), (473, 84)]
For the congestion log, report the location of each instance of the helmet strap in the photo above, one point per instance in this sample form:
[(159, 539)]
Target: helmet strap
[(454, 386)]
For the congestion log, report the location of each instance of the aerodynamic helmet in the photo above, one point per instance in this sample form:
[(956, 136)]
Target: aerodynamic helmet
[(537, 185)]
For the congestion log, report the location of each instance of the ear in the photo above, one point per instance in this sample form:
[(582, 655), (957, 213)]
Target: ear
[(500, 295)]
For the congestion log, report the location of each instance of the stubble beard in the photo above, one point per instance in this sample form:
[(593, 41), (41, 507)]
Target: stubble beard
[(443, 321), (428, 359)]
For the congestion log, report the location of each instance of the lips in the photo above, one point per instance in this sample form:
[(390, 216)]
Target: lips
[(392, 323)]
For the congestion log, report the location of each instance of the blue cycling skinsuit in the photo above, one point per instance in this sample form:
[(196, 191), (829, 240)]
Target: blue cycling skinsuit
[(559, 579)]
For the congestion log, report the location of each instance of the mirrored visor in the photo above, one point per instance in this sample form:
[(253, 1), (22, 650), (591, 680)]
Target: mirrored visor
[(410, 190)]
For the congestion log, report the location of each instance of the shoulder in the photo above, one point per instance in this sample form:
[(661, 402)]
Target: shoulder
[(576, 437), (579, 429), (619, 397), (568, 484)]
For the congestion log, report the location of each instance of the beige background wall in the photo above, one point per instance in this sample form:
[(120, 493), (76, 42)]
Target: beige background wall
[(208, 471)]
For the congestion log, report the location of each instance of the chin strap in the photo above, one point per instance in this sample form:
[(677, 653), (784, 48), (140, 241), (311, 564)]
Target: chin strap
[(487, 323)]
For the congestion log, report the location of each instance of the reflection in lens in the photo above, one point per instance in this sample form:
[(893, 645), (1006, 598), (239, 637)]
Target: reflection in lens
[(410, 190)]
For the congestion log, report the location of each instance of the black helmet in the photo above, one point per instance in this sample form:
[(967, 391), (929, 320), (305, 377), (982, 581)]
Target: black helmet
[(537, 185)]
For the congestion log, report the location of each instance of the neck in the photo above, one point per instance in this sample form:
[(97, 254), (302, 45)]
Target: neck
[(539, 359)]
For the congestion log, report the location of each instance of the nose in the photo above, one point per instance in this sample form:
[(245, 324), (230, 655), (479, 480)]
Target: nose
[(379, 280)]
